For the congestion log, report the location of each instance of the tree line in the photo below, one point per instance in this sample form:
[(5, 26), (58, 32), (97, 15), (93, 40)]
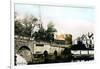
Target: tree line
[(24, 27)]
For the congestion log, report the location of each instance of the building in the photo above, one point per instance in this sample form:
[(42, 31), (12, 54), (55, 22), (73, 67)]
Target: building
[(86, 39)]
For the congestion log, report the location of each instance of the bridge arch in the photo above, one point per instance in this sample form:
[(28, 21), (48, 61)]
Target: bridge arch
[(26, 53), (55, 53), (24, 47), (45, 53)]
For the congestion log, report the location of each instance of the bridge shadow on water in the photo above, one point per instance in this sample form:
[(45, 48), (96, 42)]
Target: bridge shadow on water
[(65, 59)]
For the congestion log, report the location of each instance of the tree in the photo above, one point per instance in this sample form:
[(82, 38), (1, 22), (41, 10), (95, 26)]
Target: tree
[(29, 24), (50, 32), (24, 27), (68, 39), (40, 35), (50, 28), (45, 35), (18, 25)]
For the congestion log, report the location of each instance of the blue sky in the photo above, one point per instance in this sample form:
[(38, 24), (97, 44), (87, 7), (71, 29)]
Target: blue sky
[(56, 12), (66, 19)]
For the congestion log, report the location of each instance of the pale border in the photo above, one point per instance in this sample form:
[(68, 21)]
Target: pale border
[(12, 35)]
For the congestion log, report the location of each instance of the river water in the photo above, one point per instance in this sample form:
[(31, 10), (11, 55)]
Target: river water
[(91, 52)]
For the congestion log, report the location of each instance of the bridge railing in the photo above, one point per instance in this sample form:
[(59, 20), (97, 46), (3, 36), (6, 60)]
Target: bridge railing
[(27, 39)]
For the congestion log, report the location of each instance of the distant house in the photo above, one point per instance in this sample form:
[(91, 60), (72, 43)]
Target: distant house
[(86, 39), (63, 39)]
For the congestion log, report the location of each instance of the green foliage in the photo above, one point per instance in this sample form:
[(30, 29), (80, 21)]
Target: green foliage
[(24, 27), (45, 35), (50, 32), (40, 35), (68, 39), (18, 28), (51, 28)]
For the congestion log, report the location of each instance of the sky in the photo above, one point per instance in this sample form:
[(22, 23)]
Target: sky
[(67, 20)]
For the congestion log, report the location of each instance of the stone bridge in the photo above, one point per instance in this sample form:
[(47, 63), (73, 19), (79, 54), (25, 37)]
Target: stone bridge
[(27, 47)]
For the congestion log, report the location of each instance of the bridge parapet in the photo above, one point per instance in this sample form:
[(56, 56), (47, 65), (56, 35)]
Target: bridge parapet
[(33, 45)]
